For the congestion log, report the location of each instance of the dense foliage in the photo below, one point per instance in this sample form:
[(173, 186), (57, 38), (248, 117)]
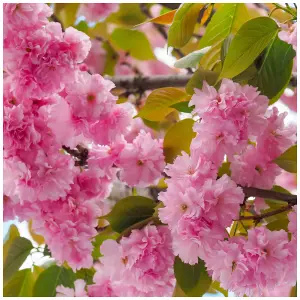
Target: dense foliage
[(206, 154)]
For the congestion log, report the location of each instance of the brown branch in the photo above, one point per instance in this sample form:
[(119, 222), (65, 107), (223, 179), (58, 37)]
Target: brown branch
[(258, 218), (80, 154), (54, 18), (145, 83), (255, 192)]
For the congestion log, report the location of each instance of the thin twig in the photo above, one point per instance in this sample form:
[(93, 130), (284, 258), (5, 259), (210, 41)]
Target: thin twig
[(255, 192), (258, 218)]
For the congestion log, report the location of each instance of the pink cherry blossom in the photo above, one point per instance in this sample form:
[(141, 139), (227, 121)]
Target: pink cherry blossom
[(194, 168), (113, 125), (95, 12), (277, 137), (293, 221), (289, 98), (141, 162), (142, 264), (90, 97), (79, 290), (254, 168), (95, 61)]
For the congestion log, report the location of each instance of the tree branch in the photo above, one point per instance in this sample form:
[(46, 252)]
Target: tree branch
[(80, 154), (255, 192), (258, 218), (150, 82), (144, 83)]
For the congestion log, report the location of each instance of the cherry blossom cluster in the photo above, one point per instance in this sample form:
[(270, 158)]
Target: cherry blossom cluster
[(51, 106), (139, 265), (234, 124)]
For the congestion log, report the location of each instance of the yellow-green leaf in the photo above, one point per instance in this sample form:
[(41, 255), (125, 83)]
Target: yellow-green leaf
[(224, 169), (198, 77), (183, 24), (178, 138), (66, 12), (192, 59), (17, 253), (228, 19), (133, 41), (288, 160), (249, 42), (128, 14), (216, 285), (36, 237), (13, 232), (158, 103)]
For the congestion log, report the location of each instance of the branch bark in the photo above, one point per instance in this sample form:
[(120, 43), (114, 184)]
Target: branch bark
[(255, 192), (144, 83), (258, 218)]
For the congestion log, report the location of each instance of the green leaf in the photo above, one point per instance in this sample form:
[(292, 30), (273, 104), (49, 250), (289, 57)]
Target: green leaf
[(178, 138), (192, 59), (85, 274), (133, 41), (228, 19), (106, 234), (47, 251), (17, 254), (275, 71), (13, 232), (249, 42), (183, 107), (192, 279), (82, 26), (224, 169), (279, 224), (22, 283), (128, 14), (128, 211), (66, 12), (288, 160), (46, 284), (178, 292), (216, 285), (183, 24), (198, 77), (158, 103)]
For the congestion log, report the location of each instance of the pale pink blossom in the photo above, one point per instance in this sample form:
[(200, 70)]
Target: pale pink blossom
[(287, 180), (293, 221), (194, 168), (113, 125), (241, 104), (141, 264), (78, 291), (95, 12), (141, 162), (90, 97), (277, 137), (290, 99), (95, 61), (254, 169)]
